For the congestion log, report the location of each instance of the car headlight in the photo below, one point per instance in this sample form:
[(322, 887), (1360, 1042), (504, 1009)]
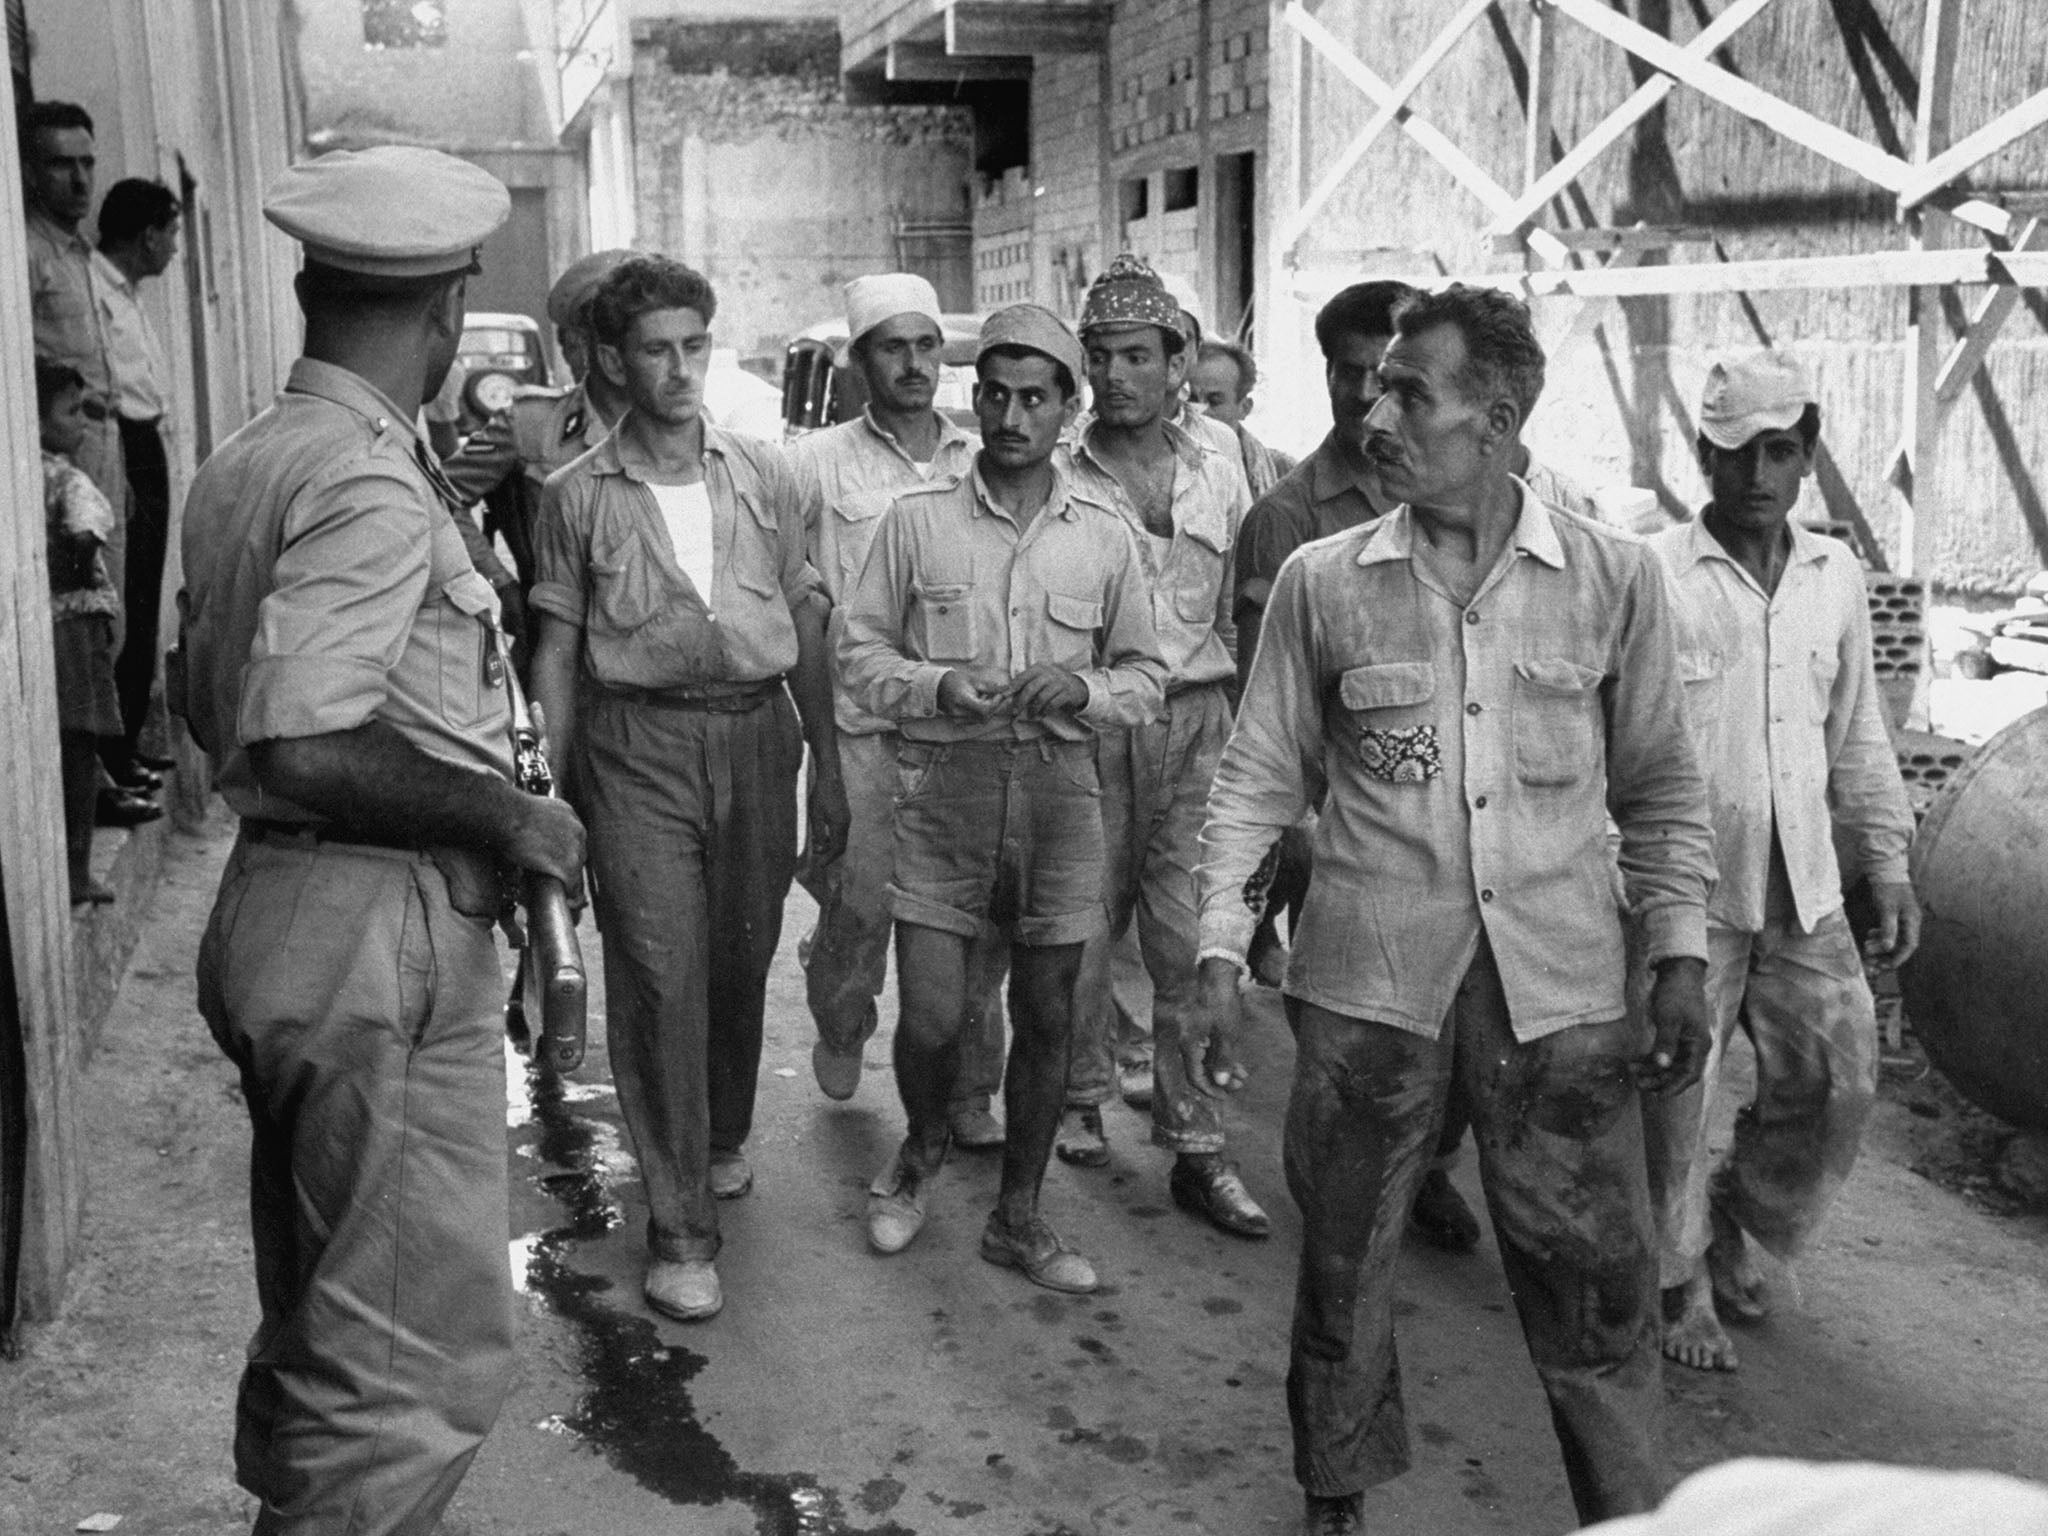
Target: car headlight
[(490, 393)]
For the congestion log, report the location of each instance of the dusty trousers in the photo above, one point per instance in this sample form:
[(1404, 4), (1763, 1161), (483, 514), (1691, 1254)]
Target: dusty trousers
[(692, 822), (363, 1013), (846, 956), (1155, 792), (1803, 1001), (1559, 1134)]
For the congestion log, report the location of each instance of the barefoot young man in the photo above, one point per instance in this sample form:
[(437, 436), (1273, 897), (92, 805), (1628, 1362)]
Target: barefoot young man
[(1475, 680), (1001, 620), (675, 599), (1183, 500), (1782, 696)]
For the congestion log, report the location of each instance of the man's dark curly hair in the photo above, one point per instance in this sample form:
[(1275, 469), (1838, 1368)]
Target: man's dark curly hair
[(1363, 309), (1502, 355), (641, 285)]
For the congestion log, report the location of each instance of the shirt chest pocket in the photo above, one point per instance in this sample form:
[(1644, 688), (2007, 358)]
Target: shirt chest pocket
[(1389, 706), (471, 667), (1823, 665), (1558, 721), (1701, 672), (628, 586), (855, 518), (756, 553), (1070, 631), (1197, 572), (943, 612)]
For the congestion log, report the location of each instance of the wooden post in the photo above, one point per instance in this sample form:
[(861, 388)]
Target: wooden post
[(1278, 323), (1919, 494), (1542, 61)]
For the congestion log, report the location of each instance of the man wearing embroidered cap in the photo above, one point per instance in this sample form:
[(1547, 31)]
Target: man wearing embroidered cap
[(505, 462), (345, 671), (1781, 692), (1183, 500), (1000, 620), (849, 474)]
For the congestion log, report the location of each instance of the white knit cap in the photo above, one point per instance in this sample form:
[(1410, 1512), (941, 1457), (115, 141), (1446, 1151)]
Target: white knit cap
[(871, 300), (1769, 1497)]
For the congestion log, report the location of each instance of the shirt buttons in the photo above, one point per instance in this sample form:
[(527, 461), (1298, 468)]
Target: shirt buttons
[(1487, 894), (1471, 615), (1480, 803), (1472, 709)]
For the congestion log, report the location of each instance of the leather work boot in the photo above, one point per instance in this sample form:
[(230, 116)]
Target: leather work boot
[(1342, 1515), (1134, 1082), (1208, 1187), (1038, 1251), (731, 1175), (975, 1128), (896, 1204), (684, 1289), (1081, 1140)]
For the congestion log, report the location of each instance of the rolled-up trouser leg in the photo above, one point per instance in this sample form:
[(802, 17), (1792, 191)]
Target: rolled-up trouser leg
[(678, 803), (362, 1012), (1559, 1130), (1813, 1022), (1360, 1122), (847, 959)]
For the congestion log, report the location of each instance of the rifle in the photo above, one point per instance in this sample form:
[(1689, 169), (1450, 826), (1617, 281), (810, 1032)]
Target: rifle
[(553, 989)]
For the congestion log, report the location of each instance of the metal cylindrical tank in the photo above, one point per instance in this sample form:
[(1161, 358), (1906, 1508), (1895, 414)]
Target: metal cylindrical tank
[(1977, 991)]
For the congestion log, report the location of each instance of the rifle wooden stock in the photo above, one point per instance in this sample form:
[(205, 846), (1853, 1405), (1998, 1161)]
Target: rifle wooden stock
[(557, 996)]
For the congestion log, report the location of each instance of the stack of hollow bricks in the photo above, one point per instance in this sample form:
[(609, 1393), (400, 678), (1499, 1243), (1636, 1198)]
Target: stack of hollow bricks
[(1158, 83)]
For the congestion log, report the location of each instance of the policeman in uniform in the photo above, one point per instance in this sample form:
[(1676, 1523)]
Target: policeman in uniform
[(346, 672), (505, 462)]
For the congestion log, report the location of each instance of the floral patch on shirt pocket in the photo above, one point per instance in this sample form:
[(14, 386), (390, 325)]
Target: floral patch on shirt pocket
[(1390, 750), (1557, 727)]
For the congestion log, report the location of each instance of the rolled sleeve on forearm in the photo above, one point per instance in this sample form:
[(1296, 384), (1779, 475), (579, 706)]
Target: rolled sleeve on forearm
[(305, 695)]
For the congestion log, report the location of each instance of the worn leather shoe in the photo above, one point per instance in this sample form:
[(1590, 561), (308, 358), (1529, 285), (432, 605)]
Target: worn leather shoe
[(731, 1175), (684, 1289), (138, 779), (1134, 1082), (1343, 1515), (896, 1205), (124, 808), (1441, 1217), (1038, 1251), (837, 1071), (975, 1128), (91, 894), (1081, 1140), (1213, 1190)]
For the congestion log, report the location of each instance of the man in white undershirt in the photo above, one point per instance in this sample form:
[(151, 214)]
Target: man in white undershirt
[(849, 474), (674, 598)]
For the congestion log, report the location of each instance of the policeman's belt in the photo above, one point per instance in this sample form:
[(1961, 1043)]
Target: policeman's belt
[(710, 698), (477, 885)]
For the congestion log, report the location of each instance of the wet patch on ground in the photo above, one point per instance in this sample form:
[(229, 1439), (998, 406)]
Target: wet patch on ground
[(637, 1409)]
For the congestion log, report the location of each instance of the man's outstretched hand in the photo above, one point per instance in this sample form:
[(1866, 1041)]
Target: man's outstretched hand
[(1678, 1015)]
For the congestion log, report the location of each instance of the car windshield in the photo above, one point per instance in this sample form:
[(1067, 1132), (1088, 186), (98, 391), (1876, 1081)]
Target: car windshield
[(497, 348)]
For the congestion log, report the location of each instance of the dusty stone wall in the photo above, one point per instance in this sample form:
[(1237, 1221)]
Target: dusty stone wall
[(753, 168), (1620, 410)]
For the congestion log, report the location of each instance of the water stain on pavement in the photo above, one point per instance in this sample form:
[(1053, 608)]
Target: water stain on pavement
[(637, 1410)]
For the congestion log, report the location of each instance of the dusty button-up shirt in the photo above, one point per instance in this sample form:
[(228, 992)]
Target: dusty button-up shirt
[(1319, 497), (328, 587), (1471, 754), (603, 562), (1188, 573), (64, 301), (951, 583), (848, 476), (1782, 694)]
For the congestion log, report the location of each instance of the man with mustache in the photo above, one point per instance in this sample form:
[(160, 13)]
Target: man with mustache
[(674, 598), (1472, 682), (1782, 695), (1183, 499), (848, 475), (1002, 621)]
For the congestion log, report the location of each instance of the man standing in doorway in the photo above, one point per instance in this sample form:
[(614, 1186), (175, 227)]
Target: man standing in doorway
[(1782, 695), (138, 233), (674, 598), (344, 671), (1183, 500), (849, 475), (1001, 620), (1475, 680)]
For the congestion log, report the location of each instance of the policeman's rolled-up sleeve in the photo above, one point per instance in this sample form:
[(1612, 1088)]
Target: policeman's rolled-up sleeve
[(350, 580), (1656, 791), (874, 663), (1270, 773), (561, 549), (1129, 688)]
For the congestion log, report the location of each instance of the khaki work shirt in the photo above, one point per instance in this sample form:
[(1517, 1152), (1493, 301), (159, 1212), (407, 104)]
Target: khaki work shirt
[(1189, 573), (603, 562), (1319, 497), (1782, 695), (1471, 755), (848, 476), (327, 587), (64, 301), (952, 583)]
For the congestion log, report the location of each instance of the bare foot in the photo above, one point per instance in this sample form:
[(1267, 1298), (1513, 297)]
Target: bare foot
[(1738, 1284), (1693, 1335)]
